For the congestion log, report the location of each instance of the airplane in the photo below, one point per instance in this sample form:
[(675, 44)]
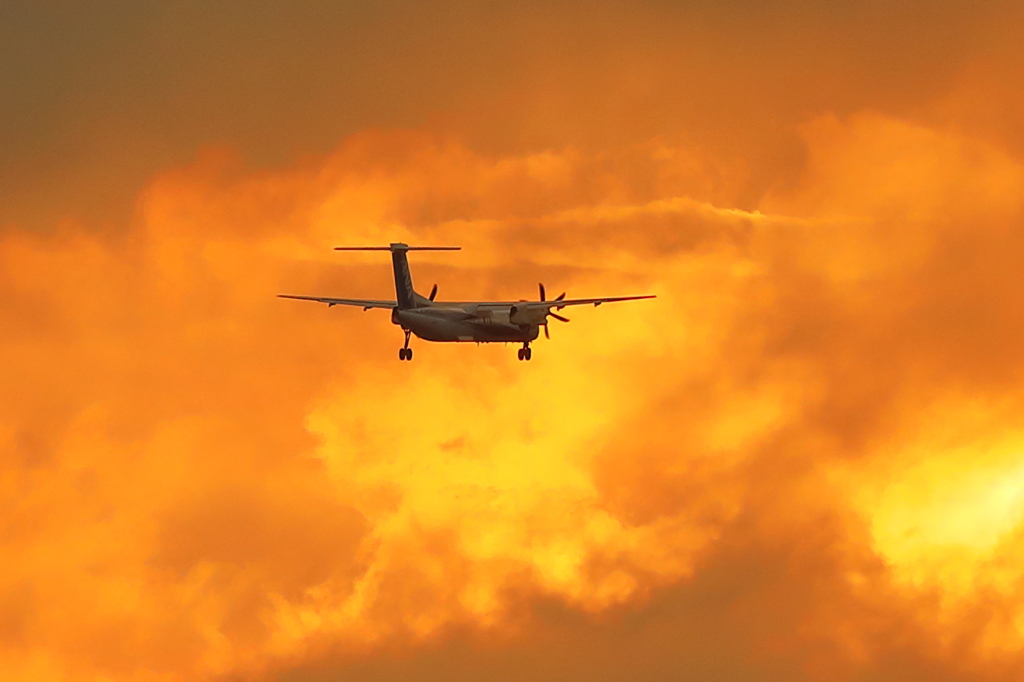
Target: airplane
[(475, 321)]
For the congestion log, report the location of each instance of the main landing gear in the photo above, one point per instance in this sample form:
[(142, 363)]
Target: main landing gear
[(525, 353), (405, 353)]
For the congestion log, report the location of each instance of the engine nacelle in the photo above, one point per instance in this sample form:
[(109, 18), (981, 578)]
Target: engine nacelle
[(522, 314)]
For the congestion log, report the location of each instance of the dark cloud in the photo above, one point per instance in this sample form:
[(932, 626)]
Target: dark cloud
[(104, 96)]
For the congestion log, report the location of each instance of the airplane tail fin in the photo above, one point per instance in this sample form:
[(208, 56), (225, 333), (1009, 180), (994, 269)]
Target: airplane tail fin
[(406, 296)]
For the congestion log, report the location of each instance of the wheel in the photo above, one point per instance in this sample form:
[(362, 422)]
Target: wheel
[(520, 354), (528, 353), (408, 353), (401, 354)]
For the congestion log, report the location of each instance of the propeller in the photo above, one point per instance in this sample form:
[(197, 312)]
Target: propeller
[(433, 293), (543, 299)]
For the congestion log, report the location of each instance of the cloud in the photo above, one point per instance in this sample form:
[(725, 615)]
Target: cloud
[(799, 462)]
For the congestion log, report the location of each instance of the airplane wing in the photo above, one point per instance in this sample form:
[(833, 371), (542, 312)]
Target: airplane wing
[(358, 302), (558, 303), (561, 303)]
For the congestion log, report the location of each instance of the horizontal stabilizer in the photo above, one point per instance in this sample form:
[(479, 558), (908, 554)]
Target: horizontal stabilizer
[(397, 247)]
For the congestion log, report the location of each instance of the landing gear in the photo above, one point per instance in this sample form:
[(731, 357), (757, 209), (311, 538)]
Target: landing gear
[(525, 353), (405, 353)]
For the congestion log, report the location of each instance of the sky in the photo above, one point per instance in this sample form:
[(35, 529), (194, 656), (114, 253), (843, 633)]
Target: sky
[(802, 462)]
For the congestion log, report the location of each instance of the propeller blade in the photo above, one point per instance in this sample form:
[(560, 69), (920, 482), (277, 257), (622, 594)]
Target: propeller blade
[(433, 293), (558, 317), (547, 334), (542, 296)]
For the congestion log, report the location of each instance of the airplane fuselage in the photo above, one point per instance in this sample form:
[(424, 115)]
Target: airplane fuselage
[(438, 323)]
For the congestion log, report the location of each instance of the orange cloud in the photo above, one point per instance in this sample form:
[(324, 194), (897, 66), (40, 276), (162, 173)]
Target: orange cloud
[(800, 462)]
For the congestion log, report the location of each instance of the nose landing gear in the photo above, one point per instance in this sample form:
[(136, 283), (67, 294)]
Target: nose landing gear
[(525, 353), (405, 353)]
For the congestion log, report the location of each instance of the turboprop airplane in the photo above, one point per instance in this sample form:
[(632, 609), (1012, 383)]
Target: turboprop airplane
[(479, 321)]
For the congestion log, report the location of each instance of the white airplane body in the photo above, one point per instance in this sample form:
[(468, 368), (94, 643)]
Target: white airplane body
[(455, 321)]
